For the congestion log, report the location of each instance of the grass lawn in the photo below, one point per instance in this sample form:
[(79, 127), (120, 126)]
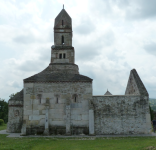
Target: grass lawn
[(3, 127), (25, 143)]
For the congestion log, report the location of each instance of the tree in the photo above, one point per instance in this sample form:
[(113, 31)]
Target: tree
[(152, 113), (3, 110)]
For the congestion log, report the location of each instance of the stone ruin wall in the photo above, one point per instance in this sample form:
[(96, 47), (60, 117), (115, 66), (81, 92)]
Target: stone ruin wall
[(34, 108), (121, 115), (15, 116), (132, 88)]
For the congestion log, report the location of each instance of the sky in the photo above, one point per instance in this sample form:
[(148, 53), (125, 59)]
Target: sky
[(110, 37)]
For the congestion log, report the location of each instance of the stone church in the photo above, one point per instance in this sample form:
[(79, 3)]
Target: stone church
[(59, 100)]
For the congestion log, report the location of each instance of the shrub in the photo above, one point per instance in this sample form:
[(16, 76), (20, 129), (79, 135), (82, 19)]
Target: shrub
[(1, 121)]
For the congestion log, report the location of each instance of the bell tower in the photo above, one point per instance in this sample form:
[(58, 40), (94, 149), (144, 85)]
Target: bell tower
[(62, 50)]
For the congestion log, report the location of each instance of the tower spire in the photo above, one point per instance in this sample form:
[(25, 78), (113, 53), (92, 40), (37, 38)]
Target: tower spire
[(63, 6)]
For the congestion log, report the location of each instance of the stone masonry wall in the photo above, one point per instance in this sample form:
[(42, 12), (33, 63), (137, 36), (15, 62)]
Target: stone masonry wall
[(70, 56), (15, 116), (121, 115), (59, 95), (132, 88), (67, 33), (68, 68)]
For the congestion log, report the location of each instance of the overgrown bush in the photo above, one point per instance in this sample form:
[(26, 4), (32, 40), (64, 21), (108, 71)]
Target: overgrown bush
[(1, 122)]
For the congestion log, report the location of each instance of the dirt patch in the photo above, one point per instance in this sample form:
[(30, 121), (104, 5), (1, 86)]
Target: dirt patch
[(150, 148)]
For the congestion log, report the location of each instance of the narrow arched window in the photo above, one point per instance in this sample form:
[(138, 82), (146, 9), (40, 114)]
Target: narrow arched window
[(62, 39), (62, 22), (75, 98), (57, 100), (60, 56), (64, 55)]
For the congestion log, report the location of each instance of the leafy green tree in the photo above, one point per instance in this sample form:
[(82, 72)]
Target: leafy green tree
[(3, 110), (152, 113)]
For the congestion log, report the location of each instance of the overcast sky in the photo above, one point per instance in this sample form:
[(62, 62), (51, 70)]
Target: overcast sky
[(110, 37)]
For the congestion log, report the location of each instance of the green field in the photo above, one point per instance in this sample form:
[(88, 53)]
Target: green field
[(3, 127), (92, 143)]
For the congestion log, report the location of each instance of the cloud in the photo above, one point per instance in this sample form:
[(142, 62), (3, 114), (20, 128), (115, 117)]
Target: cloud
[(92, 47), (110, 37), (25, 39), (85, 26), (140, 9), (13, 84), (151, 48)]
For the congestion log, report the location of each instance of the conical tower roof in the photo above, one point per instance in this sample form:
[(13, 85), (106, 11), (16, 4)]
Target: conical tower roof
[(63, 15), (107, 93)]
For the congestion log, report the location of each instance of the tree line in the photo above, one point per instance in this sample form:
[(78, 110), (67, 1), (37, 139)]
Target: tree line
[(4, 110)]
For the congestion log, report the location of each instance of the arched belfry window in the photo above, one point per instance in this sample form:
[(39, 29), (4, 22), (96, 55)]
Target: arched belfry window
[(62, 22), (60, 56), (64, 55), (75, 98), (62, 39)]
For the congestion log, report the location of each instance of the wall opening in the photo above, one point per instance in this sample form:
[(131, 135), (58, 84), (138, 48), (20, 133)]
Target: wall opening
[(60, 56), (57, 100), (75, 96), (39, 98), (62, 22), (75, 99), (62, 40), (64, 55)]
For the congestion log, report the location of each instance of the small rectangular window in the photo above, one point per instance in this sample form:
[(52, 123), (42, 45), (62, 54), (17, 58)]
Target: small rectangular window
[(60, 56), (64, 55)]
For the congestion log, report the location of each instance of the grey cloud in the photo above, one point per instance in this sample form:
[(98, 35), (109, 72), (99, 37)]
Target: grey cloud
[(14, 84), (151, 48), (114, 78), (25, 39), (35, 65), (134, 9), (141, 9), (85, 27), (87, 51)]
